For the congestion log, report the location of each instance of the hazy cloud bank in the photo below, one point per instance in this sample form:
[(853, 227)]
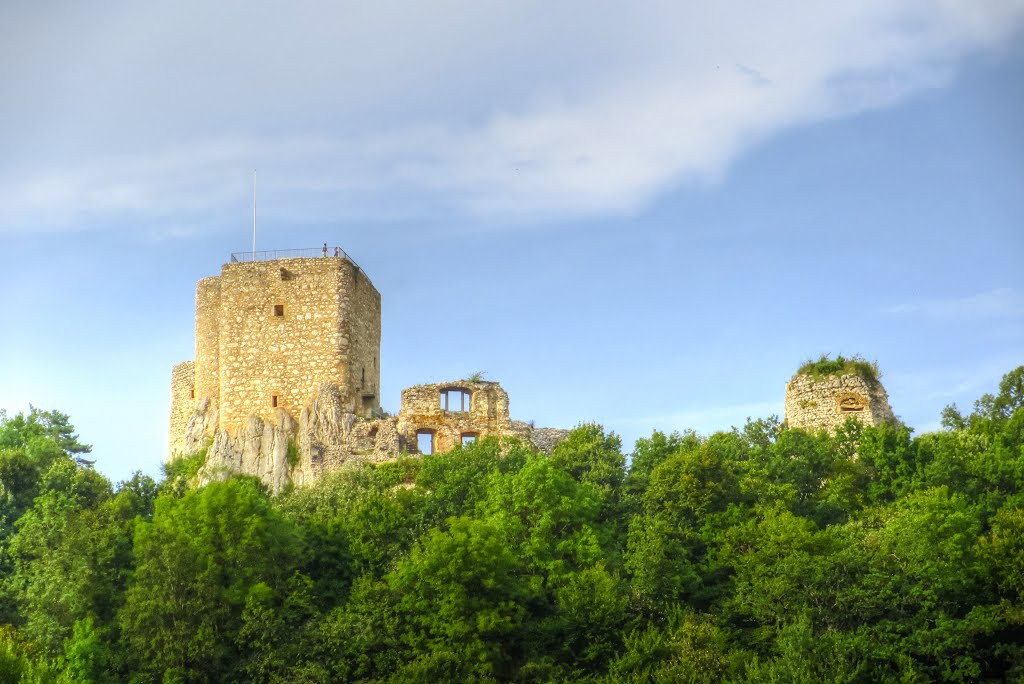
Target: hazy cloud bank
[(529, 110)]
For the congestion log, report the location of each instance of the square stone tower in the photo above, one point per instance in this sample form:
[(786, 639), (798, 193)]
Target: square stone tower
[(269, 332)]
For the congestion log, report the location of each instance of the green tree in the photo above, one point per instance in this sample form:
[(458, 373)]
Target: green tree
[(591, 456), (196, 564), (462, 597), (86, 658), (685, 506)]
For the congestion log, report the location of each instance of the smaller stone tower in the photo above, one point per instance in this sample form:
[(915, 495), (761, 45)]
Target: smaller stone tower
[(825, 393)]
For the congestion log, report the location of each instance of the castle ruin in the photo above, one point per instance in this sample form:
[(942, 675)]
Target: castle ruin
[(285, 384), (827, 401)]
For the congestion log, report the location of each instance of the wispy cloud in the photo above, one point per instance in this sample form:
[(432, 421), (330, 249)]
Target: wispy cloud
[(935, 386), (525, 110), (706, 419), (999, 303)]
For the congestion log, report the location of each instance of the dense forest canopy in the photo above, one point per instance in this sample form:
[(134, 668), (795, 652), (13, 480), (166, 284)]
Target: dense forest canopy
[(756, 555)]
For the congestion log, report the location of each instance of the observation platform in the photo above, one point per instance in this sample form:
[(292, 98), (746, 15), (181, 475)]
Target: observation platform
[(307, 253)]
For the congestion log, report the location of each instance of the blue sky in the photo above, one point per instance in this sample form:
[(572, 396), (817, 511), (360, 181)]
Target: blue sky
[(641, 214)]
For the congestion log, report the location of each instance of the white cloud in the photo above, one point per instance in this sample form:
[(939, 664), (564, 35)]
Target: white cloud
[(998, 303), (530, 109)]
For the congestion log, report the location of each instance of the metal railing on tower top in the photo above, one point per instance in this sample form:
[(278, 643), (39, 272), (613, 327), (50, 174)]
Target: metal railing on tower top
[(308, 253)]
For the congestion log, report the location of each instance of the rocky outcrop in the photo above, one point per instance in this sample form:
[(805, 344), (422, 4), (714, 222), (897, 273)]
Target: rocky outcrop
[(259, 448), (282, 451), (201, 426), (545, 439), (329, 436)]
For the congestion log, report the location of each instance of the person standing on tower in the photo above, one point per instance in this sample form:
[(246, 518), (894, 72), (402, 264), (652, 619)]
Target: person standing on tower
[(325, 249), (337, 252)]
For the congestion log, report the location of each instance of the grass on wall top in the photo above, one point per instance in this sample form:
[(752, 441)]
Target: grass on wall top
[(825, 367)]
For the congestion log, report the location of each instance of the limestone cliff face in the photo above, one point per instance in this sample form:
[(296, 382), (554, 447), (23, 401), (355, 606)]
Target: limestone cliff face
[(329, 436), (258, 448), (199, 429), (282, 451), (816, 403)]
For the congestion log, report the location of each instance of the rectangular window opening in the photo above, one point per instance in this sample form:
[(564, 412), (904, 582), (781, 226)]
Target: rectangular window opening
[(279, 309), (425, 442), (455, 400), (468, 438), (274, 400)]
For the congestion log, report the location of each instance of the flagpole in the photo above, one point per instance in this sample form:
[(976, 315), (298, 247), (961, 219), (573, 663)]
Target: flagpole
[(254, 214)]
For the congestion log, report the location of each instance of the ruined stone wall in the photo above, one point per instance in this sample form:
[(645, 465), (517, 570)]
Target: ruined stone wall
[(816, 403), (361, 318), (546, 439), (422, 410), (183, 403), (327, 435), (208, 338)]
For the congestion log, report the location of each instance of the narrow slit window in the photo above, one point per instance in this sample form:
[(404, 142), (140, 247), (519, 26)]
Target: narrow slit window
[(279, 310), (274, 400), (192, 393)]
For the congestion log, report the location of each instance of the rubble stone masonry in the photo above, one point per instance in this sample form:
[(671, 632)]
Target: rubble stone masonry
[(449, 411), (285, 384), (268, 333), (827, 402), (183, 403)]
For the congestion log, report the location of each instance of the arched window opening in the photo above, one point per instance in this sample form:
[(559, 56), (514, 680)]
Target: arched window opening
[(851, 404), (456, 400), (425, 442)]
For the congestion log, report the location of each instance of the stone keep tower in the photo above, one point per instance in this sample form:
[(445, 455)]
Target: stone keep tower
[(825, 400), (269, 332)]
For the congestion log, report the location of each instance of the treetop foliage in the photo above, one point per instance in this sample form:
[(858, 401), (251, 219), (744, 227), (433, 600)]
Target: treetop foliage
[(757, 554)]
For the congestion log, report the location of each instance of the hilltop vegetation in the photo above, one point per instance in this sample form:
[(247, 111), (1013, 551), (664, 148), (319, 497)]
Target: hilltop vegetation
[(825, 366), (756, 555)]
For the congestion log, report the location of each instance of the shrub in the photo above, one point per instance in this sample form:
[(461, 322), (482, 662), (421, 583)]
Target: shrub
[(185, 467), (825, 367)]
